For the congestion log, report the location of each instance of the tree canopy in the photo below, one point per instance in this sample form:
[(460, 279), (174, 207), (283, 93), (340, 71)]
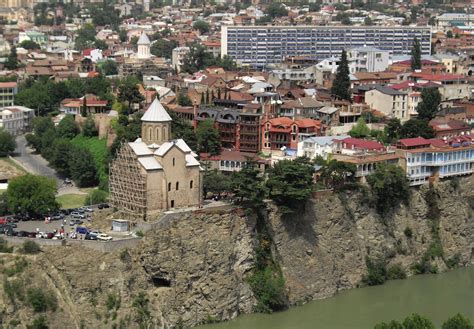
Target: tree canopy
[(248, 184), (276, 9), (389, 187), (290, 183), (7, 143), (335, 174), (29, 44), (416, 128), (163, 48), (32, 195), (128, 92), (393, 129), (216, 182), (208, 138), (416, 55), (430, 100), (201, 26), (89, 129), (68, 127), (360, 130), (457, 322), (82, 168), (340, 86)]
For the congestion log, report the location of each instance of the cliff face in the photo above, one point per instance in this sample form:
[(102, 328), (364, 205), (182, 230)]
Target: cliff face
[(324, 249), (194, 269)]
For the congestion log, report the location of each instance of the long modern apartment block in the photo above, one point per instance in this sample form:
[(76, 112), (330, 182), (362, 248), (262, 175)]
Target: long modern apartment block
[(262, 46)]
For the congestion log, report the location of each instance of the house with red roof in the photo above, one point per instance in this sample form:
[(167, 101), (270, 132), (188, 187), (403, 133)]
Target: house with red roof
[(74, 105), (449, 128)]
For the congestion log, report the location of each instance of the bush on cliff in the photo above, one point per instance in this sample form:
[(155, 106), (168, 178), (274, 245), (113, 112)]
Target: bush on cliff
[(268, 286), (389, 187)]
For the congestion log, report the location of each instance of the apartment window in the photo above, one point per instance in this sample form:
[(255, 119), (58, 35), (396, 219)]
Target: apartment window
[(177, 186)]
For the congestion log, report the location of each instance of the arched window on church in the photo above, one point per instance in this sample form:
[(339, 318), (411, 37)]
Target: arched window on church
[(157, 132), (191, 184), (163, 136), (177, 186), (174, 161), (150, 133), (169, 187)]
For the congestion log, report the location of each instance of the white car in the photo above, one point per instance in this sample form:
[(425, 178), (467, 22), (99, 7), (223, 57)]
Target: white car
[(104, 237)]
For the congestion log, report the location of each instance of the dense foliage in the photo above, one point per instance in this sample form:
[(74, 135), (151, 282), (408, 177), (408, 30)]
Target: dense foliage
[(360, 130), (341, 84), (430, 100), (416, 128), (208, 138), (216, 183), (32, 195), (416, 55), (389, 187), (7, 143), (248, 184)]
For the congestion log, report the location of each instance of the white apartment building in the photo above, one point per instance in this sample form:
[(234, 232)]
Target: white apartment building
[(16, 119), (318, 146), (177, 57), (367, 59)]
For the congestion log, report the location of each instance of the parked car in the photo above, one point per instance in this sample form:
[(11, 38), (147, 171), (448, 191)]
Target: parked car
[(73, 222), (22, 234), (88, 209), (49, 235), (103, 206), (104, 237), (90, 237), (78, 215), (82, 230), (57, 216), (32, 234)]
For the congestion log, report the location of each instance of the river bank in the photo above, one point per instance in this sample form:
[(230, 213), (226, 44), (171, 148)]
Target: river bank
[(436, 296)]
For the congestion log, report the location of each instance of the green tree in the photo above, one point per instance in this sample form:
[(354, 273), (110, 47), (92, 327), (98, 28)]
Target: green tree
[(96, 197), (7, 143), (449, 34), (391, 325), (201, 26), (227, 63), (360, 130), (248, 184), (30, 45), (457, 322), (197, 59), (82, 168), (85, 37), (89, 129), (163, 48), (68, 127), (40, 300), (109, 67), (33, 195), (216, 183), (184, 100), (335, 174), (40, 126), (416, 128), (182, 129), (389, 187), (128, 92), (342, 83), (290, 183), (416, 321), (416, 55), (393, 129), (208, 138), (276, 9), (100, 44), (430, 100), (60, 157), (12, 60)]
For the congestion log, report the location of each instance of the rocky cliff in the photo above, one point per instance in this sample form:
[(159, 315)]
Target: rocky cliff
[(195, 269)]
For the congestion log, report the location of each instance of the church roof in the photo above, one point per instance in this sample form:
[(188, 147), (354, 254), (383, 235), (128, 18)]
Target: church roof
[(156, 113), (143, 39)]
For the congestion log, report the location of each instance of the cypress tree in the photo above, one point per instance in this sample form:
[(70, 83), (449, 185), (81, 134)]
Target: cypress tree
[(202, 98), (416, 55), (84, 107), (342, 83)]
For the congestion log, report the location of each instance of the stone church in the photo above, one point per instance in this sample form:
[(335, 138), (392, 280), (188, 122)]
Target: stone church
[(155, 172)]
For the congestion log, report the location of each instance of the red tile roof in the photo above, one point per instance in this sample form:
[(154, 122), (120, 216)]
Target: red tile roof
[(361, 144), (8, 84), (410, 142)]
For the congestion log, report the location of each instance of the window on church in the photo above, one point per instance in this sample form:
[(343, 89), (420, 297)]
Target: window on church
[(177, 186), (174, 161), (191, 184), (169, 187)]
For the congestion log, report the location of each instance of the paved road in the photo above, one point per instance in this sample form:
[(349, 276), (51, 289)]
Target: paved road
[(36, 164)]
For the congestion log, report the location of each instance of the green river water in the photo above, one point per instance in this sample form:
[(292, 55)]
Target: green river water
[(436, 296)]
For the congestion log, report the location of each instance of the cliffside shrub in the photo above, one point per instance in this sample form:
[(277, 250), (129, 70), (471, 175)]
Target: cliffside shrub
[(453, 262), (38, 323), (408, 232), (19, 266), (389, 187), (142, 313), (30, 247), (396, 272), (40, 300), (14, 289), (376, 272), (4, 246)]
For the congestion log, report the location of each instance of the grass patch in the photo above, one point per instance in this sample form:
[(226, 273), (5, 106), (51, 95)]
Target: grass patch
[(11, 163), (71, 200)]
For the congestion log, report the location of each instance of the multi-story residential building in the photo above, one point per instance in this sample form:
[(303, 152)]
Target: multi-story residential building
[(177, 57), (322, 146), (38, 37), (447, 19), (261, 46), (391, 102), (303, 107), (423, 159), (450, 86), (74, 105), (306, 74), (8, 91), (367, 59), (16, 119)]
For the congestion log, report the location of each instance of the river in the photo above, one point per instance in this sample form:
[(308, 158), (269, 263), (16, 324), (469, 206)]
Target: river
[(437, 296)]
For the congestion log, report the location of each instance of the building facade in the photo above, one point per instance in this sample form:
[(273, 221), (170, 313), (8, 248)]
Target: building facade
[(8, 90), (16, 119), (155, 173), (367, 59), (262, 46), (393, 103)]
